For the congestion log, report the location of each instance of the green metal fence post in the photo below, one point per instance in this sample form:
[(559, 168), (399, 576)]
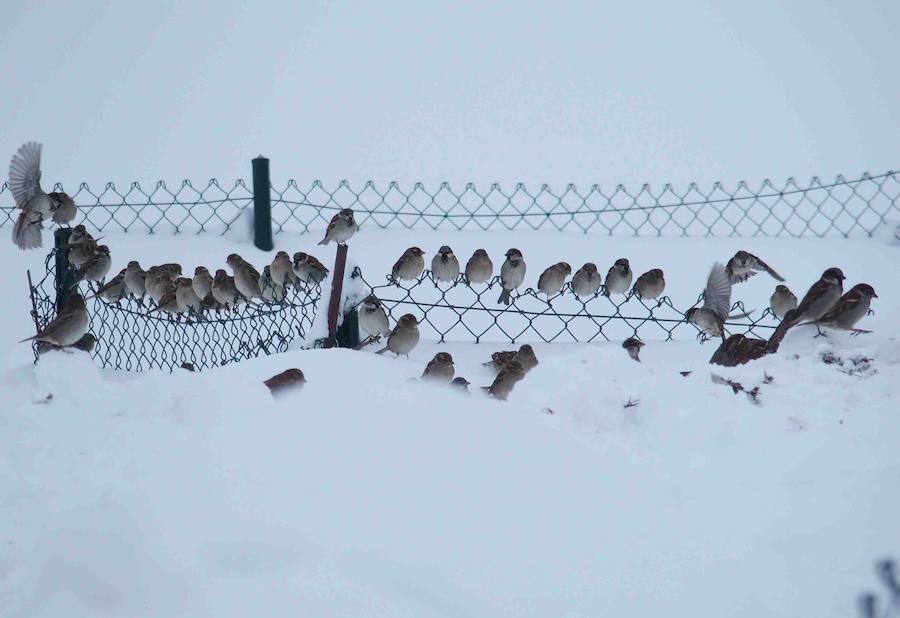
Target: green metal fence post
[(262, 205), (65, 273)]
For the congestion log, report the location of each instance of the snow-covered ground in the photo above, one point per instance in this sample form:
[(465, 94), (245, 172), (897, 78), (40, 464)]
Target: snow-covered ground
[(369, 493)]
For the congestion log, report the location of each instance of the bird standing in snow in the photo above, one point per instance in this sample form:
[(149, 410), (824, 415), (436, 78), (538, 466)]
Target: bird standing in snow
[(372, 318), (440, 368), (341, 228), (738, 350), (68, 327), (821, 296), (404, 337), (512, 274), (633, 346), (849, 309), (286, 381), (445, 265), (511, 374), (524, 356)]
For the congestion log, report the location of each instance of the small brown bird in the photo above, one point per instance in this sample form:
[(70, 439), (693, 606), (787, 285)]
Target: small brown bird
[(460, 384), (710, 318), (135, 279), (97, 267), (618, 279), (849, 309), (85, 344), (445, 265), (202, 282), (372, 318), (479, 268), (168, 303), (224, 290), (512, 274), (341, 228), (524, 356), (553, 279), (246, 277), (410, 265), (586, 281), (503, 384), (282, 271), (650, 285), (404, 337), (269, 290), (68, 327), (821, 297), (113, 290), (287, 381), (308, 269), (738, 350), (186, 297), (35, 205), (440, 368), (745, 265), (64, 208), (82, 248), (782, 301), (633, 347), (160, 279)]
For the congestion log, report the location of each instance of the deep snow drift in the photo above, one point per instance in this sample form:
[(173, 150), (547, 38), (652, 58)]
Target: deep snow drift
[(369, 493)]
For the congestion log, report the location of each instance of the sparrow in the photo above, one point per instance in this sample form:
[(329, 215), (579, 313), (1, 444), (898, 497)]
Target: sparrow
[(404, 337), (821, 296), (633, 347), (168, 302), (782, 301), (738, 350), (341, 228), (269, 290), (524, 356), (85, 344), (745, 265), (503, 384), (460, 384), (372, 318), (286, 381), (34, 204), (64, 208), (282, 270), (78, 235), (553, 278), (710, 319), (159, 279), (445, 265), (650, 285), (81, 246), (586, 281), (618, 279), (440, 368), (224, 290), (202, 282), (113, 290), (849, 309), (479, 268), (135, 279), (409, 266), (68, 327), (512, 274), (209, 303), (96, 268), (187, 299), (246, 277), (307, 268)]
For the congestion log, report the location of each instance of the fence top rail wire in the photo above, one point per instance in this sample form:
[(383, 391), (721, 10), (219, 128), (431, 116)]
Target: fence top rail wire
[(842, 207)]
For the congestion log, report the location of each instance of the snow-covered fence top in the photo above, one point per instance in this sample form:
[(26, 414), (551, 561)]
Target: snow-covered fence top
[(817, 208)]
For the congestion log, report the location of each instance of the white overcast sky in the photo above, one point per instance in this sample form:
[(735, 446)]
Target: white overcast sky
[(534, 91)]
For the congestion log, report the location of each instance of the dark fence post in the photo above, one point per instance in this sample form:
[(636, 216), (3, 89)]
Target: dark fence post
[(334, 304), (262, 205), (65, 272)]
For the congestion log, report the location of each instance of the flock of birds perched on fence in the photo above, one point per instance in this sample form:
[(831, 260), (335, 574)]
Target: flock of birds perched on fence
[(824, 305)]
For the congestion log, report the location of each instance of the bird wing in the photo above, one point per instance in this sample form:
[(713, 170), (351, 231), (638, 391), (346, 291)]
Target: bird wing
[(397, 265), (845, 303), (740, 278), (26, 235), (814, 292), (25, 173), (768, 269), (717, 295), (252, 270)]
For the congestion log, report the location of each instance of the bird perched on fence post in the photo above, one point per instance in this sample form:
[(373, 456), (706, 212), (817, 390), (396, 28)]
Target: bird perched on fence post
[(68, 327), (372, 318), (81, 246), (782, 301), (440, 368), (820, 297), (650, 285), (586, 281), (479, 268), (445, 265), (512, 274), (409, 266), (341, 228), (553, 279), (96, 268), (36, 206), (849, 309), (618, 279), (745, 265), (404, 337), (246, 277)]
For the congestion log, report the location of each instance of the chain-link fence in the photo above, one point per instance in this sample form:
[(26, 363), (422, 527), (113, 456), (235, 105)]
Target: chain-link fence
[(458, 311), (843, 207), (129, 337)]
